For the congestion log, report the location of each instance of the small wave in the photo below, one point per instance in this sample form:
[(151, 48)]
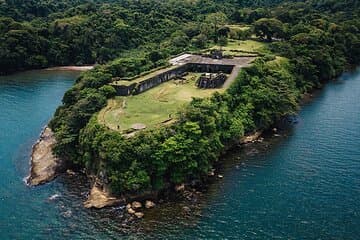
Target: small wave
[(54, 196), (25, 180)]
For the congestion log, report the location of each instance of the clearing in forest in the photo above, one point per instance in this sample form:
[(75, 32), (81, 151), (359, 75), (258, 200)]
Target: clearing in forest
[(154, 107), (159, 105), (239, 47)]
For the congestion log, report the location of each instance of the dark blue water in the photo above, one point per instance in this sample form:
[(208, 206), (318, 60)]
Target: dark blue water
[(302, 186), (305, 187), (27, 102)]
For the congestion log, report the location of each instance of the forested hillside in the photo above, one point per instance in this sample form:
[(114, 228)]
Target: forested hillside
[(314, 41), (310, 42), (37, 34)]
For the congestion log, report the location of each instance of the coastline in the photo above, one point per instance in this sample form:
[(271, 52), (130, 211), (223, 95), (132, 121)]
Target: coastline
[(55, 68), (99, 195), (44, 165)]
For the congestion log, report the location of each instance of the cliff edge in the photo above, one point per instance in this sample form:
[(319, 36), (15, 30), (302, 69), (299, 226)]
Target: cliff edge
[(44, 164)]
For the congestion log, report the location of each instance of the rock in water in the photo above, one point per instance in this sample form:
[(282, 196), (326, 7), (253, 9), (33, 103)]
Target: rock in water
[(250, 138), (99, 199), (44, 164)]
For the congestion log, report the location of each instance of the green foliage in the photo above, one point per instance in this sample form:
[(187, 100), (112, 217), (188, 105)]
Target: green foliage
[(316, 39), (269, 89), (269, 28), (199, 41), (214, 25)]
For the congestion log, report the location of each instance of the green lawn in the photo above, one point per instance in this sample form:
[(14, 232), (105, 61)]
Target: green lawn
[(239, 27), (153, 106), (250, 46)]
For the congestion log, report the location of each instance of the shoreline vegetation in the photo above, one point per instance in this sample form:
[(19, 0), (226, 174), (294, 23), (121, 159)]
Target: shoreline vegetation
[(300, 46)]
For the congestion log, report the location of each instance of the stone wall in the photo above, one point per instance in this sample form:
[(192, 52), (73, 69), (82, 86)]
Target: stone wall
[(209, 68), (162, 77), (136, 88), (123, 90), (212, 80)]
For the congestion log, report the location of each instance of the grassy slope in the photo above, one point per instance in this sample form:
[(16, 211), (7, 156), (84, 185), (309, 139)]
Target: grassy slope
[(153, 106), (158, 104), (234, 47)]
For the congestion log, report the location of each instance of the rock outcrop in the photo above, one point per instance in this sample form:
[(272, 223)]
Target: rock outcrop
[(149, 204), (99, 198), (44, 164), (136, 205), (250, 138)]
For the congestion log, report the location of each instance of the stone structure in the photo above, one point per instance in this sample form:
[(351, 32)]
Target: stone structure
[(216, 54), (211, 80), (182, 65)]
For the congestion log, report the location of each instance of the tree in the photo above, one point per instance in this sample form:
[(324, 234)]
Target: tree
[(199, 41), (269, 28), (214, 22)]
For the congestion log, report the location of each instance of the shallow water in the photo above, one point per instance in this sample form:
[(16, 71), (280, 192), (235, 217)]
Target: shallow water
[(302, 186)]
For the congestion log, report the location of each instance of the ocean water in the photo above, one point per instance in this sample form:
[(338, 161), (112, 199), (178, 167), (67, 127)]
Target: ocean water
[(305, 185)]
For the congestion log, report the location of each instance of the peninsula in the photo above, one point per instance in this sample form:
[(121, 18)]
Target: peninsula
[(175, 83)]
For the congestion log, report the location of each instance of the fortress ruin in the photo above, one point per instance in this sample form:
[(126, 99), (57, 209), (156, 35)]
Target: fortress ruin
[(183, 64)]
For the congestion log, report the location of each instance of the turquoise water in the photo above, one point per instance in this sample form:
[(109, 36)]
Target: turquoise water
[(27, 102), (305, 185)]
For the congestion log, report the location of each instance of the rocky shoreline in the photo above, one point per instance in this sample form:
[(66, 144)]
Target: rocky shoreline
[(99, 197), (45, 165)]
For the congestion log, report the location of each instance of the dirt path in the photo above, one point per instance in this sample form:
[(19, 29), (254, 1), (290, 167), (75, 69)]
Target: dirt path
[(232, 76)]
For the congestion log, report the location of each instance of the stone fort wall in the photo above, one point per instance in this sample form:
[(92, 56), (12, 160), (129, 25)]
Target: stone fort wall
[(137, 88)]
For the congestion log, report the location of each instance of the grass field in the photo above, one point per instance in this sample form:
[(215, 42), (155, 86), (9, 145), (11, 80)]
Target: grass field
[(234, 46), (153, 106), (239, 27)]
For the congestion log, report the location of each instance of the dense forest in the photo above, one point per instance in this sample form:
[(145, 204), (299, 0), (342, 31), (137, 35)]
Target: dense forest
[(314, 41), (42, 33)]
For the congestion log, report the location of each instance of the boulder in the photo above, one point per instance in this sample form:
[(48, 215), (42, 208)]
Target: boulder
[(138, 126), (139, 214), (136, 205), (70, 172), (186, 209), (99, 198), (250, 138), (131, 211), (180, 188), (149, 204)]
